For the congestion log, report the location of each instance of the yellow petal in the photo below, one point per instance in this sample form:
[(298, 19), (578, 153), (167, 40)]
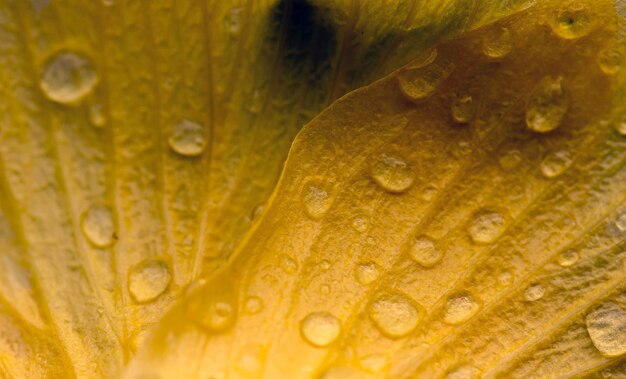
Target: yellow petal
[(526, 223)]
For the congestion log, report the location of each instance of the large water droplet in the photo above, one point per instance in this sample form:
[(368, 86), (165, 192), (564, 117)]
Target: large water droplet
[(419, 83), (317, 198), (498, 44), (394, 315), (68, 77), (464, 372), (367, 273), (463, 109), (555, 163), (460, 308), (148, 280), (610, 60), (424, 252), (97, 225), (187, 138), (606, 326), (320, 328), (567, 258), (392, 172), (547, 105), (572, 23), (534, 292), (486, 226)]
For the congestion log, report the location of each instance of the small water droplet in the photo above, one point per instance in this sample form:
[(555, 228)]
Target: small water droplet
[(460, 308), (424, 252), (317, 198), (257, 210), (394, 315), (567, 258), (572, 23), (148, 280), (534, 292), (555, 163), (505, 278), (324, 265), (620, 125), (510, 159), (288, 265), (359, 224), (96, 115), (547, 105), (486, 226), (464, 372), (367, 273), (374, 363), (610, 60), (620, 221), (232, 21), (249, 362), (254, 305), (419, 83), (606, 326), (324, 289), (429, 193), (320, 328), (68, 77), (392, 173), (187, 138), (498, 44), (97, 225), (463, 109)]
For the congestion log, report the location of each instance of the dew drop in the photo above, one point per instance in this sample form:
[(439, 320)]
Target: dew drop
[(464, 372), (187, 138), (463, 109), (232, 21), (359, 224), (424, 252), (620, 222), (620, 126), (320, 328), (572, 23), (460, 308), (606, 326), (610, 60), (555, 163), (254, 305), (68, 77), (96, 115), (392, 173), (547, 105), (394, 315), (374, 363), (324, 265), (486, 226), (148, 280), (419, 83), (97, 225), (248, 362), (367, 273), (534, 292), (213, 316), (568, 258), (317, 198), (510, 159), (288, 265), (497, 45), (505, 278), (257, 210), (324, 289)]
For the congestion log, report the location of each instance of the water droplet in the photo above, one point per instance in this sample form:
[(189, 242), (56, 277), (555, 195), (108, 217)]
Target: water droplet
[(460, 308), (572, 23), (68, 77), (463, 109), (359, 224), (567, 258), (555, 163), (320, 328), (288, 265), (620, 125), (232, 21), (547, 105), (374, 363), (486, 226), (324, 265), (498, 44), (317, 198), (394, 315), (97, 225), (610, 60), (510, 159), (505, 278), (419, 83), (534, 292), (429, 193), (392, 173), (148, 280), (187, 138), (254, 305), (324, 289), (249, 362), (424, 252), (96, 115), (257, 210), (366, 273), (464, 372), (606, 326), (620, 222)]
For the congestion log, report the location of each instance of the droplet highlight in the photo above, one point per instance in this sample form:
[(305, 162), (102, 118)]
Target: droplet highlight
[(148, 280), (68, 77), (547, 105), (187, 138), (606, 326), (320, 328), (394, 315), (392, 173), (98, 227)]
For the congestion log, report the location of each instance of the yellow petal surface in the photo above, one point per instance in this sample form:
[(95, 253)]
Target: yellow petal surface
[(461, 218), (137, 137)]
